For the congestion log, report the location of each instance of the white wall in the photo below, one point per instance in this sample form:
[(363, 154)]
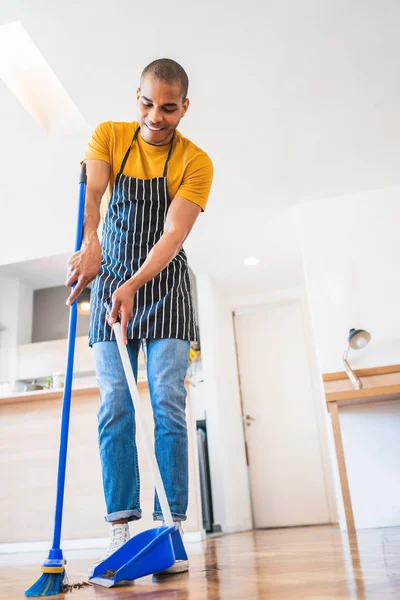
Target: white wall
[(47, 208), (16, 305), (230, 491), (25, 314), (351, 257)]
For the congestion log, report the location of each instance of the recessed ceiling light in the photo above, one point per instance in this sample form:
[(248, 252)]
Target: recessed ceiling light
[(252, 261)]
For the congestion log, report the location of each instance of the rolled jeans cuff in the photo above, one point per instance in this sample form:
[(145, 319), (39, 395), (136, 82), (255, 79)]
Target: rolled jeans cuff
[(130, 515), (157, 516)]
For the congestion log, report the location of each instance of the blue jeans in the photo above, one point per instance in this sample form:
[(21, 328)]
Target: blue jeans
[(167, 362)]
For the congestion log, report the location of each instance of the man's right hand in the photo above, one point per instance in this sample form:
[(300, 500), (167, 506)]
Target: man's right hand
[(83, 267)]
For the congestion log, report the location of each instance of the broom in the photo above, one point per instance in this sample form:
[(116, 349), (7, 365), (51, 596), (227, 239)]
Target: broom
[(53, 578)]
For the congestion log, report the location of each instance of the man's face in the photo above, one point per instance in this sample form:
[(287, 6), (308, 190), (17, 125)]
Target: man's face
[(160, 109)]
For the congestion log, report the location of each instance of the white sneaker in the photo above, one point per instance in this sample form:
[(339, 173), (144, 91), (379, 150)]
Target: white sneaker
[(179, 566), (119, 534)]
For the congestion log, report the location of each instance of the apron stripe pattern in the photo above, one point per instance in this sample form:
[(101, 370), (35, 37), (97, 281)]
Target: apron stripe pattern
[(163, 307)]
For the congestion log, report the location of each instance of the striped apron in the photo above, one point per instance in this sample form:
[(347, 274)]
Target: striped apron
[(134, 223)]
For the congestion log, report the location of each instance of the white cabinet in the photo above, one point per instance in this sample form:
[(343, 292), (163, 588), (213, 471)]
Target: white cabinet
[(41, 360)]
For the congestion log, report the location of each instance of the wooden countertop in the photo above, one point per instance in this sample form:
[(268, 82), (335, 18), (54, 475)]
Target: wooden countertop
[(380, 384), (375, 394), (52, 394)]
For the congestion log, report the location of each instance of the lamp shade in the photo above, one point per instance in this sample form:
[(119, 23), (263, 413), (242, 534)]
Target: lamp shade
[(358, 338)]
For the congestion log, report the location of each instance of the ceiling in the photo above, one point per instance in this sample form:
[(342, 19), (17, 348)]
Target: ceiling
[(294, 101)]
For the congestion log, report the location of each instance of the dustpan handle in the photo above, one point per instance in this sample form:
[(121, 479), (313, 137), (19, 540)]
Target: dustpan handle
[(155, 471)]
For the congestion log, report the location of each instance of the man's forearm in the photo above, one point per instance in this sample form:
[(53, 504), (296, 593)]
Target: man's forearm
[(158, 258), (92, 216)]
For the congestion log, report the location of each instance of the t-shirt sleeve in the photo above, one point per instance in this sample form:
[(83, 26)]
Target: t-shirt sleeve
[(99, 144), (197, 180)]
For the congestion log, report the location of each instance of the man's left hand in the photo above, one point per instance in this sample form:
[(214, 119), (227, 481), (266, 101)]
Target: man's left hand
[(122, 306)]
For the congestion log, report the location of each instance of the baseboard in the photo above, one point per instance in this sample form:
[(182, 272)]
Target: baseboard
[(45, 546), (83, 544), (194, 536)]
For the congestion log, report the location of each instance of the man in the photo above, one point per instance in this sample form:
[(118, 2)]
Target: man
[(159, 183)]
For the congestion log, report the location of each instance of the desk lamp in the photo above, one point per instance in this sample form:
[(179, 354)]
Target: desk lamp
[(358, 338)]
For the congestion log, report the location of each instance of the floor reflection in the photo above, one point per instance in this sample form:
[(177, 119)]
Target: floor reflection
[(297, 563)]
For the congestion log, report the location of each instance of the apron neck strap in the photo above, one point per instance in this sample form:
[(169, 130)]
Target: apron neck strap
[(129, 149), (169, 156)]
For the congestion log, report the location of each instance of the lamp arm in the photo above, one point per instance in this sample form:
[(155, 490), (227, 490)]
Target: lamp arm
[(355, 380)]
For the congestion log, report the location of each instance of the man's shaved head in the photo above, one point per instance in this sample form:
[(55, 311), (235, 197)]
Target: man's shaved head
[(168, 71)]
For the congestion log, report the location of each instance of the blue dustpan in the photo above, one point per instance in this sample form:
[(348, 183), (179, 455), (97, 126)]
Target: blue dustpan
[(148, 552), (153, 550)]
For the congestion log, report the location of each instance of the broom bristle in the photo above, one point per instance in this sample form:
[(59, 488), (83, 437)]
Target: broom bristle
[(48, 584)]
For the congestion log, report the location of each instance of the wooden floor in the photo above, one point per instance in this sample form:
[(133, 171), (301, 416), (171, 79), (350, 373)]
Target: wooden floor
[(300, 563)]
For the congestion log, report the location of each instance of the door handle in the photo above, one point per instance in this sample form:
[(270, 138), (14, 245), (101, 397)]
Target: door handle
[(248, 419)]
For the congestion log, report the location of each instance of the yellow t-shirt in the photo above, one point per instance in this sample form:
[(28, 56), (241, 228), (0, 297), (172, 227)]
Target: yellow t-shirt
[(190, 170)]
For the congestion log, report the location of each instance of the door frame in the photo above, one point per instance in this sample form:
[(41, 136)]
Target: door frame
[(242, 417), (284, 297)]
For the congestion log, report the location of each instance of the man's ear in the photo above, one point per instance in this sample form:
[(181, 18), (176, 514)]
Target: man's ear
[(185, 106), (138, 93)]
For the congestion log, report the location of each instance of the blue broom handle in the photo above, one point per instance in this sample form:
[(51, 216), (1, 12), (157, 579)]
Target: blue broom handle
[(66, 406)]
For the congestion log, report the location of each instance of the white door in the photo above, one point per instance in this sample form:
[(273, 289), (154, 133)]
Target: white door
[(285, 462)]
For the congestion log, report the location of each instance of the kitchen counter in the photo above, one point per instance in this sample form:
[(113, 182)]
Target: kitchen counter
[(54, 394)]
